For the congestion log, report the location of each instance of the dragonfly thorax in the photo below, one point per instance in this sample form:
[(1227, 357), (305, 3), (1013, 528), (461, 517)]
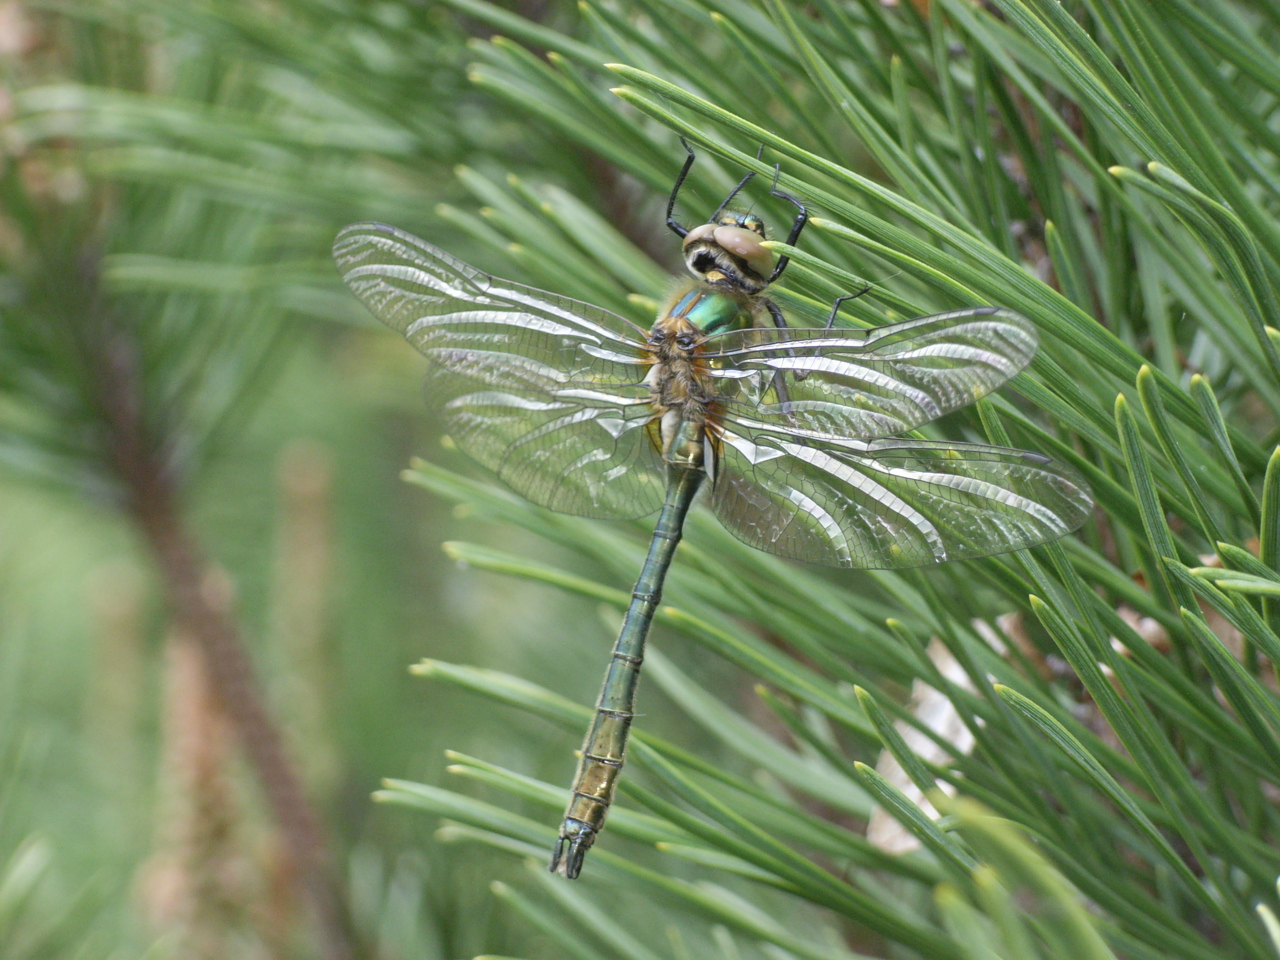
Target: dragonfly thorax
[(701, 310), (678, 380), (682, 393)]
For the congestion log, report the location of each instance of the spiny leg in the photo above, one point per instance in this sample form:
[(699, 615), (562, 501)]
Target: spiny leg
[(779, 378), (672, 224), (736, 190), (780, 322), (801, 219), (835, 307)]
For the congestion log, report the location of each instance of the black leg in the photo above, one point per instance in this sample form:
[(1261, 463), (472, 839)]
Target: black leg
[(779, 379), (775, 312), (672, 224), (801, 219), (835, 307), (733, 193)]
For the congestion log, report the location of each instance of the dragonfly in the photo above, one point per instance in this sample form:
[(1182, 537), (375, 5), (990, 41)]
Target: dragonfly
[(791, 433)]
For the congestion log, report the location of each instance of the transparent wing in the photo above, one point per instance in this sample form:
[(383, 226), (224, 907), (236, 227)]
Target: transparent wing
[(592, 457), (466, 321), (545, 391), (861, 384), (890, 503)]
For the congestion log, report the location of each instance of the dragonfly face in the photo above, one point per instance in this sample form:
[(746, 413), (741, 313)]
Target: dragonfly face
[(791, 433), (728, 255)]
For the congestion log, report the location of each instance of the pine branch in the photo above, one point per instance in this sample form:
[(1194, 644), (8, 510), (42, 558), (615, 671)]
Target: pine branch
[(153, 502)]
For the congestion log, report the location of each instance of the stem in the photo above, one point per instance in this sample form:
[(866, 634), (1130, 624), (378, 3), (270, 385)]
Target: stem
[(152, 496)]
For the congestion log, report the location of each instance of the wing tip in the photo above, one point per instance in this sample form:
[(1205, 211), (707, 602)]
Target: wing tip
[(366, 226), (350, 236)]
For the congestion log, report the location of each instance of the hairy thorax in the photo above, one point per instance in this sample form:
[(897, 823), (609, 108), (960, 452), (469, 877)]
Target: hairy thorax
[(693, 312), (678, 381), (682, 391)]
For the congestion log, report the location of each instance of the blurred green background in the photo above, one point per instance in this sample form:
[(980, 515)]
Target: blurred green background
[(192, 164), (153, 143), (202, 439)]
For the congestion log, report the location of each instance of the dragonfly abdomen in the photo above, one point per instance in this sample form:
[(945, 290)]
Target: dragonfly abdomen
[(604, 749)]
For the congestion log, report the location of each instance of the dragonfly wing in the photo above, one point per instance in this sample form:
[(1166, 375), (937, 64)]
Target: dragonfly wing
[(591, 457), (864, 384), (545, 391), (466, 321), (890, 503)]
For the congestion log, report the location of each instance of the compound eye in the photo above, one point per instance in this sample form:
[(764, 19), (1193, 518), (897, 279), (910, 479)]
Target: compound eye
[(700, 232), (746, 244)]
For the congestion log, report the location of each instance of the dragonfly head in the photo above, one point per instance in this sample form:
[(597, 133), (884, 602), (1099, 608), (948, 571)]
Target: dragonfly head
[(729, 254)]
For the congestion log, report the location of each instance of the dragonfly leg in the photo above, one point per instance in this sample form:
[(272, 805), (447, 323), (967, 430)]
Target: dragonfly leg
[(732, 193), (605, 746), (802, 217), (779, 380), (736, 190), (835, 307), (673, 224)]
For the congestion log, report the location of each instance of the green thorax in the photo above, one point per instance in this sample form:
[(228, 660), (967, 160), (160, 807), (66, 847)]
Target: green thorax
[(710, 310)]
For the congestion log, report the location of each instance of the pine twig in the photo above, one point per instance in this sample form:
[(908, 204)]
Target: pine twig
[(153, 504)]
